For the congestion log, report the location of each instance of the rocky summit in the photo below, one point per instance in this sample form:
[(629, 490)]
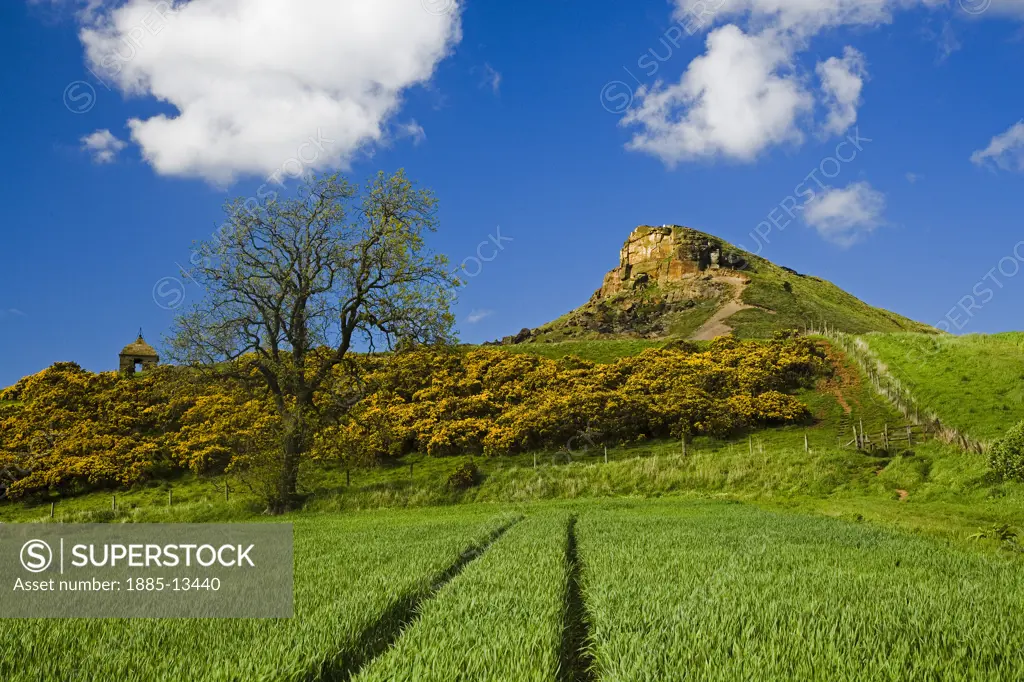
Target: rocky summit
[(677, 282), (667, 255)]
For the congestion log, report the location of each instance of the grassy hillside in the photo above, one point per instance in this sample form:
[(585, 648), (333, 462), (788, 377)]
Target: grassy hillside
[(974, 383), (780, 298), (808, 302)]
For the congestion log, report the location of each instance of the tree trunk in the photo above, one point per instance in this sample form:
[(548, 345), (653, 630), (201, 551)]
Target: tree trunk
[(288, 484)]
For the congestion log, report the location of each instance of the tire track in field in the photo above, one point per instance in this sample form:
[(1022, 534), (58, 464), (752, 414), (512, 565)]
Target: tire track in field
[(577, 663), (375, 640)]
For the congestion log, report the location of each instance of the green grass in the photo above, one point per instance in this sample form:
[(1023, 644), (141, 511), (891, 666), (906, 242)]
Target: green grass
[(671, 589), (351, 573), (500, 620), (974, 383), (812, 303), (726, 592)]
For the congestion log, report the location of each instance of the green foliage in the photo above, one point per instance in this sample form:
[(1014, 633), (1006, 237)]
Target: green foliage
[(464, 477), (292, 285), (1007, 456)]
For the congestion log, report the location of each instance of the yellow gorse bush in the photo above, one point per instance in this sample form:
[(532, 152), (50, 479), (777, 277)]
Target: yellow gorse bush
[(68, 429)]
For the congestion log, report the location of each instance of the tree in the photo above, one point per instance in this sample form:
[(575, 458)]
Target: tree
[(295, 286)]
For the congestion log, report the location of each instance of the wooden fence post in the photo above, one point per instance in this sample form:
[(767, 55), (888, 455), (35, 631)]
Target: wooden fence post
[(750, 443), (169, 501), (113, 503), (605, 454), (348, 478), (51, 509), (807, 444), (226, 491), (910, 436)]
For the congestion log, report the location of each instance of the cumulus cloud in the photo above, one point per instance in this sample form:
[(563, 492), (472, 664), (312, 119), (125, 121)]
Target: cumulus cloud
[(478, 315), (745, 94), (256, 84), (103, 145), (844, 216), (841, 82), (737, 99), (1005, 151)]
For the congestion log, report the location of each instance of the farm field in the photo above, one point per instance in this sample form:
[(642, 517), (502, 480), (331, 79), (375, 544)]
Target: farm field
[(974, 383), (357, 579), (501, 619), (733, 593), (613, 590)]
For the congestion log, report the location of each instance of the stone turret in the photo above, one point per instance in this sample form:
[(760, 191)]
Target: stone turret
[(666, 254), (138, 356)]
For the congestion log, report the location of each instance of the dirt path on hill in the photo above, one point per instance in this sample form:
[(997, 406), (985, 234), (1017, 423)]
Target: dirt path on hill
[(716, 325)]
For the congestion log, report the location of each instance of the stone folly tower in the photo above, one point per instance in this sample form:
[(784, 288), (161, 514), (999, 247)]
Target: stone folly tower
[(138, 356)]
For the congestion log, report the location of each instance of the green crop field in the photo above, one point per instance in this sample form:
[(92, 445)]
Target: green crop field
[(974, 383), (594, 590), (357, 578), (733, 593), (502, 619)]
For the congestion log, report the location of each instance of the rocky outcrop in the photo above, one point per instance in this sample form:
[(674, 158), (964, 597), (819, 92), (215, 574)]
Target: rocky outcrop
[(664, 273), (666, 255)]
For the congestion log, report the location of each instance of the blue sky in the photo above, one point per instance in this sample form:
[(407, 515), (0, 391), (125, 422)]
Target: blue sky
[(556, 125)]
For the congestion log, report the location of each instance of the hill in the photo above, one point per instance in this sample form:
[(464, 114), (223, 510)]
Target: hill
[(677, 282), (973, 383)]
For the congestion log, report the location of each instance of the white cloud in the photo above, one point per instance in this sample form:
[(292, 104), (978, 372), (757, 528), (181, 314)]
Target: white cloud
[(253, 82), (1005, 151), (912, 177), (478, 315), (412, 130), (746, 93), (11, 312), (492, 79), (845, 215), (734, 101), (103, 145), (841, 82), (808, 17)]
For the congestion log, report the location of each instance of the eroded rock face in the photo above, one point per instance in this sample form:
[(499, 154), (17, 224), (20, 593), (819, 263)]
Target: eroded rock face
[(665, 255)]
